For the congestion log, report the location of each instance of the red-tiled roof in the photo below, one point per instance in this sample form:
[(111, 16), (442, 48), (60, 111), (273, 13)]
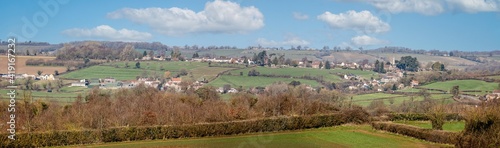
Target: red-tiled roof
[(177, 79)]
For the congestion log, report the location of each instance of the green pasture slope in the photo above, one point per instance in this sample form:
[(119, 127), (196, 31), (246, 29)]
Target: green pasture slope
[(103, 72), (119, 71), (340, 136), (328, 75), (59, 97), (247, 82), (463, 85), (365, 99), (453, 126)]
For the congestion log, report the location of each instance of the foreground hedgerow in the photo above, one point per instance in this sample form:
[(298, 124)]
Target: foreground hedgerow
[(417, 132), (58, 138), (482, 126), (420, 117)]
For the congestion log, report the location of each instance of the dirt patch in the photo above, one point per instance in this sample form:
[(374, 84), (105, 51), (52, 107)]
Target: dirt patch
[(21, 67)]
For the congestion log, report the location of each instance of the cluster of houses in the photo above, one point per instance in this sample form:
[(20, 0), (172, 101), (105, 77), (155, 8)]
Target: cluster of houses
[(111, 83), (34, 77)]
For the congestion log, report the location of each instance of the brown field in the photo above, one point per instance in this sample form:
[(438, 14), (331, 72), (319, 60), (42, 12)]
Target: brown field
[(22, 68)]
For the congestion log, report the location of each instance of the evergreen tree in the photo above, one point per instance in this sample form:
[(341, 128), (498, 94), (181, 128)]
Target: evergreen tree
[(327, 65), (138, 65)]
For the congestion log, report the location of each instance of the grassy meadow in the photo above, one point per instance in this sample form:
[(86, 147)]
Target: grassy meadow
[(453, 126), (463, 85)]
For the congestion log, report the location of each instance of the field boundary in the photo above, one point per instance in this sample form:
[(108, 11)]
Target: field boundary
[(437, 136), (119, 134)]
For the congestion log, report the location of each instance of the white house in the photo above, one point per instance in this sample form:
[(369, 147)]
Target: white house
[(47, 77), (78, 84)]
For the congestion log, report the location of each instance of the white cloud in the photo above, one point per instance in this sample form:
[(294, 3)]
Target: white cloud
[(432, 7), (365, 40), (217, 17), (427, 7), (288, 41), (473, 6), (108, 32), (362, 21), (300, 16)]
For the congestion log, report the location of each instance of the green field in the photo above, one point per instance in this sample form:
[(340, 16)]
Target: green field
[(103, 72), (463, 85), (119, 71), (247, 82), (293, 72), (454, 126), (340, 136), (60, 97), (365, 99)]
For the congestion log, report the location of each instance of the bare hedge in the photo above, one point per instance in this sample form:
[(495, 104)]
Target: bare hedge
[(437, 136), (60, 138)]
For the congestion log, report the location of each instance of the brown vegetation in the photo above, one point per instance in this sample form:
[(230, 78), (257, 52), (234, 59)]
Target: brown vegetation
[(420, 133), (482, 127), (57, 138), (144, 106)]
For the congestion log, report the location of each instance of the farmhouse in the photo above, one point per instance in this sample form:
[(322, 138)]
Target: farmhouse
[(414, 83), (46, 77), (78, 84), (315, 64), (109, 80)]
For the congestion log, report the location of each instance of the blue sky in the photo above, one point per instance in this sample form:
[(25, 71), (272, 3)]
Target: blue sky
[(419, 24)]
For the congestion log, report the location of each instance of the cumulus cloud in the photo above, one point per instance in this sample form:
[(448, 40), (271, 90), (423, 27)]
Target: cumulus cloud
[(363, 21), (473, 6), (109, 33), (300, 16), (288, 41), (427, 7), (365, 40), (432, 7), (217, 17)]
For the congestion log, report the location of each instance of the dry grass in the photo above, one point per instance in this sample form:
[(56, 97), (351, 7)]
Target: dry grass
[(22, 68)]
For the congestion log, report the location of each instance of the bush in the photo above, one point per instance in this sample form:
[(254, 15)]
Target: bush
[(437, 117), (482, 127), (356, 114), (421, 117), (420, 133)]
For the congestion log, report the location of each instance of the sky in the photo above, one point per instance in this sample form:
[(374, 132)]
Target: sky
[(471, 25)]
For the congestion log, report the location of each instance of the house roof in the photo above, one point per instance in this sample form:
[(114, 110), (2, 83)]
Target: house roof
[(177, 79)]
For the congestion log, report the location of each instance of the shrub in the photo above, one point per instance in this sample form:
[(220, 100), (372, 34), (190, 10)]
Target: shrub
[(482, 127), (420, 133), (356, 114), (437, 117)]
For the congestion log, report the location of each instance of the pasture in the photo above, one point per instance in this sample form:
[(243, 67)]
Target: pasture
[(293, 72), (463, 85), (195, 70), (64, 96), (338, 136), (247, 82), (453, 126), (103, 72), (394, 99)]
